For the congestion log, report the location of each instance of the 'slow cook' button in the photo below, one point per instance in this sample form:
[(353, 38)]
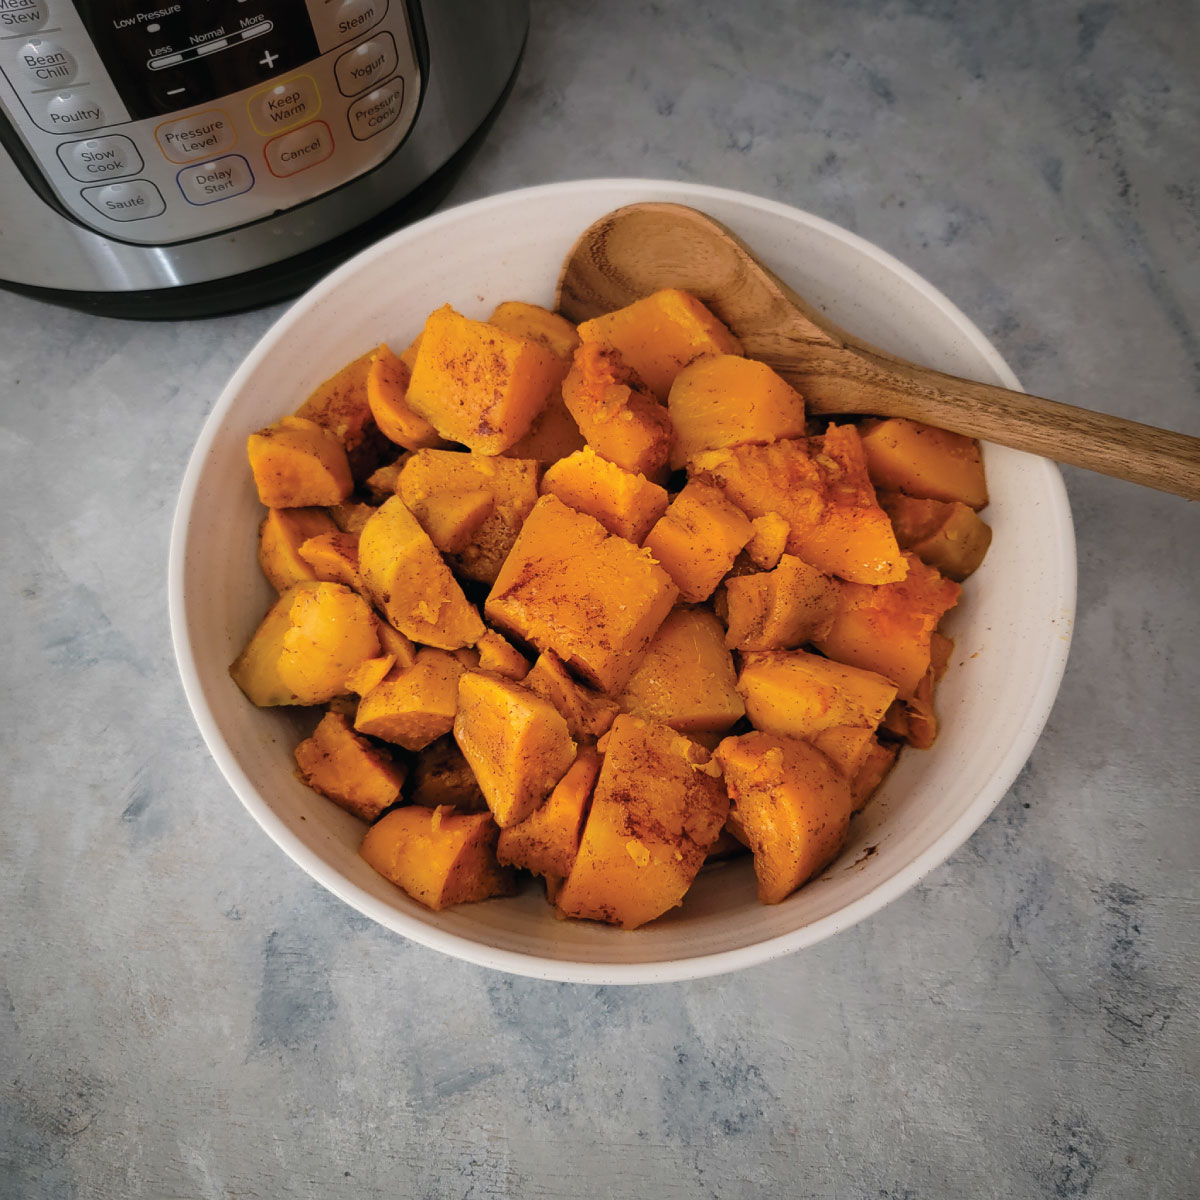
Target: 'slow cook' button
[(374, 112), (201, 135), (297, 151), (208, 182), (285, 104), (100, 158), (132, 201)]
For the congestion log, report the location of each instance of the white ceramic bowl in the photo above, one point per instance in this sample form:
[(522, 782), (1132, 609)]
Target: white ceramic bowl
[(1012, 628)]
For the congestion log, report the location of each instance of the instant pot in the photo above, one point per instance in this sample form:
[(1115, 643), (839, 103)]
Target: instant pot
[(167, 159)]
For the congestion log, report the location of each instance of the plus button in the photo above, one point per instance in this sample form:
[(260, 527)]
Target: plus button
[(268, 60)]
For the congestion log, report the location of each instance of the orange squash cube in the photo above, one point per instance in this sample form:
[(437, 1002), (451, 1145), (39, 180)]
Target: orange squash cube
[(725, 400), (768, 541), (298, 464), (588, 714), (698, 538), (501, 657), (280, 535), (537, 324), (340, 405), (948, 535), (415, 705), (924, 461), (877, 762), (441, 776), (387, 396), (553, 434), (439, 857), (394, 643), (655, 813), (571, 587), (659, 335), (333, 557), (625, 504), (361, 778), (779, 609), (478, 385)]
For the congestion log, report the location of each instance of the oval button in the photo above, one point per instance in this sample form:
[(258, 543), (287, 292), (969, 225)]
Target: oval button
[(73, 110), (44, 63), (21, 16), (375, 111), (359, 68), (206, 183), (100, 158), (199, 136), (297, 151), (337, 21), (286, 104), (132, 201)]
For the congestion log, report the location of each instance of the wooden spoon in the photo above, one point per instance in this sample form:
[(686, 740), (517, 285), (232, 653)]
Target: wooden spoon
[(643, 247)]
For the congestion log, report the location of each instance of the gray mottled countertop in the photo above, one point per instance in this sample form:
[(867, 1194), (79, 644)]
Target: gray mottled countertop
[(183, 1013)]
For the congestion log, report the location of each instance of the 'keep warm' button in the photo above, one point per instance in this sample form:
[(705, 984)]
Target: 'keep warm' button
[(199, 136), (374, 112), (285, 104), (206, 183), (132, 201), (297, 151)]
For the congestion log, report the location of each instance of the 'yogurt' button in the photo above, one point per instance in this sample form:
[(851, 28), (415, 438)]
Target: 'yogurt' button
[(100, 158), (44, 63), (73, 110), (208, 182), (359, 68), (201, 135), (277, 108), (21, 16), (375, 111), (297, 151), (132, 201)]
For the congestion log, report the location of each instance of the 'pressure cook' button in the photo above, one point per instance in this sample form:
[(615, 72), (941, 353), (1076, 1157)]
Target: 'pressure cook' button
[(357, 69), (375, 111), (206, 183), (297, 151), (277, 108), (132, 201), (199, 136), (73, 110), (100, 158), (44, 63), (21, 16)]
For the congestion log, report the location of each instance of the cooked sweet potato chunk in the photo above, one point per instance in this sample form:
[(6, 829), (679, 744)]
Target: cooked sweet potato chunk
[(571, 587), (889, 629), (921, 460), (282, 532), (950, 536), (439, 857), (361, 778), (478, 385), (779, 609), (685, 678), (698, 538), (726, 400), (792, 805), (797, 694), (819, 486), (625, 504), (387, 395), (413, 706), (517, 744), (407, 579), (547, 841), (659, 335), (588, 714), (298, 464)]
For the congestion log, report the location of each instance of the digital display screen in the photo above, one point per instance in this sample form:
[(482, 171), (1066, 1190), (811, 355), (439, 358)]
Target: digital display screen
[(166, 55)]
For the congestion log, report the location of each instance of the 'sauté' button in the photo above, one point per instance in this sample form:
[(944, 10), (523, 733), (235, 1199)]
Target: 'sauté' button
[(132, 201)]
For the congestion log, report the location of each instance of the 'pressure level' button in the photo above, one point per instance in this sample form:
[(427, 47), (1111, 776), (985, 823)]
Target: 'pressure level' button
[(100, 158), (43, 63), (201, 135), (73, 110), (374, 112), (132, 201), (221, 179)]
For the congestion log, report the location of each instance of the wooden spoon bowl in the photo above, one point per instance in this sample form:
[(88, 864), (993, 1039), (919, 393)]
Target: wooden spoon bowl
[(638, 249)]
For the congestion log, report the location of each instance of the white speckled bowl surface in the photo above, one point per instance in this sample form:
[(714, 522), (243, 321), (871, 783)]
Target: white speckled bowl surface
[(1012, 628)]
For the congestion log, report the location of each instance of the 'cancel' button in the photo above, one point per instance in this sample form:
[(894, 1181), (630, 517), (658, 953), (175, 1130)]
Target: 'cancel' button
[(132, 201), (377, 110)]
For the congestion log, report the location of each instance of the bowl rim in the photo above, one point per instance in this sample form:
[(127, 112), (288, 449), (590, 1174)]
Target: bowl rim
[(1040, 700)]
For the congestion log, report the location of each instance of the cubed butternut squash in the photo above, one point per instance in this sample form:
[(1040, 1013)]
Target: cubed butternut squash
[(280, 536), (948, 535), (333, 557), (517, 744), (686, 677), (655, 813), (351, 515), (395, 643), (298, 464), (410, 583), (571, 587), (661, 334), (478, 385), (846, 746), (768, 540), (877, 762), (698, 538), (588, 714), (361, 778), (439, 857), (499, 656), (380, 485), (791, 804), (819, 486), (387, 383), (537, 324), (413, 706), (368, 674), (442, 776), (779, 609), (626, 504), (340, 405), (554, 434), (726, 400), (924, 461)]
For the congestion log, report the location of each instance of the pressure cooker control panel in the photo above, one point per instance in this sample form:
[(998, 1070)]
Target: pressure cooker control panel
[(156, 121)]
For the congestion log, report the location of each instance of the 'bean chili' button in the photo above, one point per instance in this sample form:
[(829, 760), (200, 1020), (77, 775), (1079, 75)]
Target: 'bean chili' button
[(374, 112), (44, 63), (132, 201), (200, 135)]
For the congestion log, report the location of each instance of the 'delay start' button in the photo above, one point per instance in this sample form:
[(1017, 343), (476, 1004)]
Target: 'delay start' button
[(208, 182), (277, 108), (374, 112), (132, 201), (201, 135), (100, 158), (294, 152)]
